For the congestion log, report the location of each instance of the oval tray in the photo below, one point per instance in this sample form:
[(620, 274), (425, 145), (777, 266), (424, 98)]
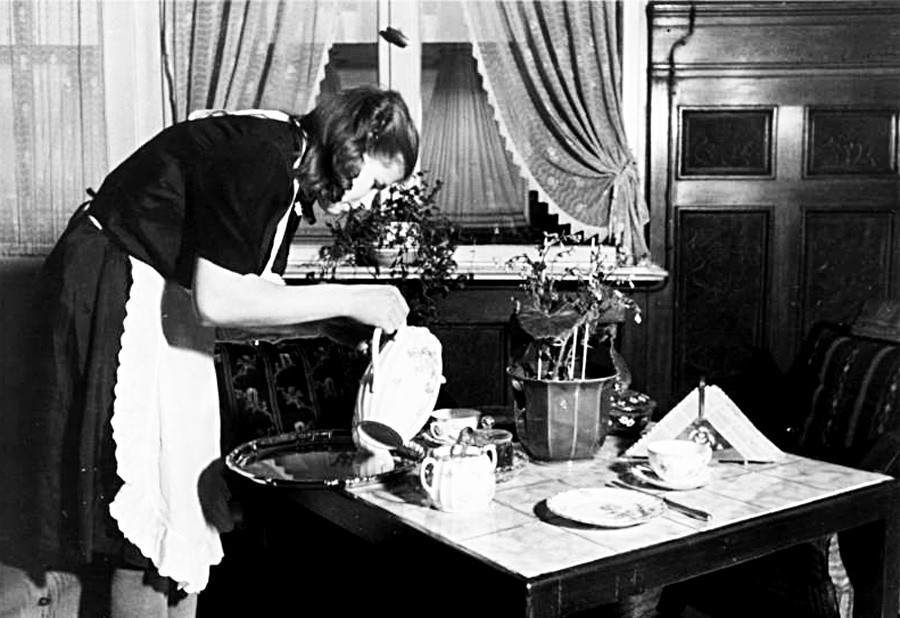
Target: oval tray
[(311, 459)]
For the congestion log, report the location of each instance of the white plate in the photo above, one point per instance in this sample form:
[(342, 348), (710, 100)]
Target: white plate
[(645, 474), (606, 506)]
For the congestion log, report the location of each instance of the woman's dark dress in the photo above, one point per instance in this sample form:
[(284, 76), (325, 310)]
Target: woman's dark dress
[(214, 188)]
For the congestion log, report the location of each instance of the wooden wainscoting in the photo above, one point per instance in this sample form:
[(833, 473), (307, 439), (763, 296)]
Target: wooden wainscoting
[(772, 177)]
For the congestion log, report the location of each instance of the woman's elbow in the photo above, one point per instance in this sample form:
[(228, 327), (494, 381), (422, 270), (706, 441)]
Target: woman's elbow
[(217, 294), (212, 309), (237, 302), (217, 302)]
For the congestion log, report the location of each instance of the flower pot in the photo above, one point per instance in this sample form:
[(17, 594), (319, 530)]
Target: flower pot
[(561, 419), (388, 258), (399, 244)]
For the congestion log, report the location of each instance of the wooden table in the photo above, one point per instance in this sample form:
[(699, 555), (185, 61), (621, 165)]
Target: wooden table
[(530, 562)]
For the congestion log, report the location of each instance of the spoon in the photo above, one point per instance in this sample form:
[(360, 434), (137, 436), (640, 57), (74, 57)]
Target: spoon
[(700, 430)]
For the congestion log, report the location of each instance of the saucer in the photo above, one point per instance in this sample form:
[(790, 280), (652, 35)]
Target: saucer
[(643, 473)]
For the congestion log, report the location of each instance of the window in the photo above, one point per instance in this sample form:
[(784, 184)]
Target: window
[(51, 93), (461, 142)]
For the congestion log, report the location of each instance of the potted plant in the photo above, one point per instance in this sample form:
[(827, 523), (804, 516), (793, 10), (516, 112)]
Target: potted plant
[(564, 360), (405, 234)]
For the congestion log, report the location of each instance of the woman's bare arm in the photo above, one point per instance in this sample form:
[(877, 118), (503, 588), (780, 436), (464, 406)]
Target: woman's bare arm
[(227, 299)]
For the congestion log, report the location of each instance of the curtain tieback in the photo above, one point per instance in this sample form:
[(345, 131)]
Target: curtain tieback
[(618, 213), (627, 173), (627, 170)]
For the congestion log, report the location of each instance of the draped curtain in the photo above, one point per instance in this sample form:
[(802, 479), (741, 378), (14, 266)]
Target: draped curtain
[(52, 123), (552, 72), (244, 54)]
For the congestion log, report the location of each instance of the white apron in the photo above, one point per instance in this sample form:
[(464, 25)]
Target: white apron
[(165, 422)]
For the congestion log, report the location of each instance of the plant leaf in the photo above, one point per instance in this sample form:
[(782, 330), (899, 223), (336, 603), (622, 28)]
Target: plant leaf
[(543, 324)]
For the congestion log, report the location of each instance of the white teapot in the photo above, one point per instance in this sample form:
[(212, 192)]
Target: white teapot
[(460, 478)]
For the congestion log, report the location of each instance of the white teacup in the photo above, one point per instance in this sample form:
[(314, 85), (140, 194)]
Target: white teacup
[(447, 423), (678, 462)]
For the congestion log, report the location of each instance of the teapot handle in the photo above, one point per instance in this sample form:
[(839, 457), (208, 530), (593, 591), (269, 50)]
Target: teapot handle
[(427, 465)]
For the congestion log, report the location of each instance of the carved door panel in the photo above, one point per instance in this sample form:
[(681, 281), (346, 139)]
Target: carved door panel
[(774, 156)]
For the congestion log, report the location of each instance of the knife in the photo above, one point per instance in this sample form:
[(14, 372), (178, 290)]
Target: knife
[(684, 509)]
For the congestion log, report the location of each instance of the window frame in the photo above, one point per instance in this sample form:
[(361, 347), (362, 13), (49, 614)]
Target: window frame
[(402, 72)]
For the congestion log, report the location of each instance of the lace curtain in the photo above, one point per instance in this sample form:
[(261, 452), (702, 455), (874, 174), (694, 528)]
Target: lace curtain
[(461, 147), (552, 72), (52, 122), (244, 54)]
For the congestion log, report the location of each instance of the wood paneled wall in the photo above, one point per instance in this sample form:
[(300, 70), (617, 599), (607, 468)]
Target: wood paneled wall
[(772, 177)]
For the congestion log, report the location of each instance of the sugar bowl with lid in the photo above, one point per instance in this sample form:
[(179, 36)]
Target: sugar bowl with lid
[(459, 478)]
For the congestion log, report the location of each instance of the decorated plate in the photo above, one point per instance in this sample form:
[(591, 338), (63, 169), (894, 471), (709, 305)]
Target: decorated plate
[(646, 475), (319, 458), (606, 506)]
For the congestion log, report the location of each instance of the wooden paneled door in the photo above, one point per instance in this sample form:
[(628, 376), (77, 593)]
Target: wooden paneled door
[(773, 178)]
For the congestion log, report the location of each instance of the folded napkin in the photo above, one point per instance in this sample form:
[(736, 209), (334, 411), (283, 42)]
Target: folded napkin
[(737, 437)]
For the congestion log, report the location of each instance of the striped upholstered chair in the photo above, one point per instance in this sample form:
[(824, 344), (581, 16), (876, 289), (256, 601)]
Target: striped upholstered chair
[(840, 402)]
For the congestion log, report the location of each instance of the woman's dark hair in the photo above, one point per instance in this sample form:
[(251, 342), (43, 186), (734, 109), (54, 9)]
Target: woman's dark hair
[(343, 127)]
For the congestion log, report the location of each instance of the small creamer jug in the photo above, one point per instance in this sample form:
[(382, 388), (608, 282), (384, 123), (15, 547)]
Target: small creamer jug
[(460, 478)]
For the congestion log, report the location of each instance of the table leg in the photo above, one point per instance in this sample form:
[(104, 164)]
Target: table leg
[(871, 555), (543, 600)]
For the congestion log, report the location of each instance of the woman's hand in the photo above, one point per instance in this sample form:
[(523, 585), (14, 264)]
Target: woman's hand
[(381, 306), (215, 497)]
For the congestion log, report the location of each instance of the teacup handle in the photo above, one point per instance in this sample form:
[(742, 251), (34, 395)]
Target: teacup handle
[(427, 464), (437, 431)]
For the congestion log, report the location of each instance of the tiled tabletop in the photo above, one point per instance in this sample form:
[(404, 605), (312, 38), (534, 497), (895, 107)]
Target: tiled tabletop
[(519, 534)]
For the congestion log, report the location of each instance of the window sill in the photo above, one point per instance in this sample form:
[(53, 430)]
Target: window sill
[(479, 262)]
